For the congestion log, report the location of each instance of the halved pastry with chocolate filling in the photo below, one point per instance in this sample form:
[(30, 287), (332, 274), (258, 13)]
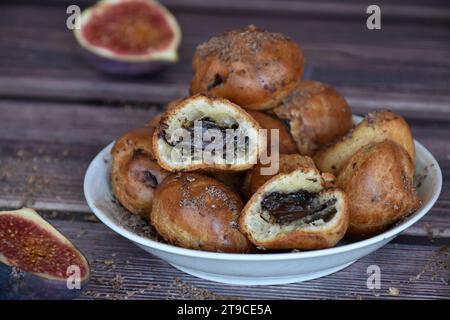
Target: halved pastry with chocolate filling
[(206, 133), (295, 211)]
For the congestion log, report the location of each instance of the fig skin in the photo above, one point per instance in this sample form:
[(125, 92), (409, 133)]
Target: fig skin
[(123, 63), (123, 68), (19, 284), (28, 286)]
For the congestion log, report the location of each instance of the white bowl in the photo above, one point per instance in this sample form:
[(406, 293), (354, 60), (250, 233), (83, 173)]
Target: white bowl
[(252, 269)]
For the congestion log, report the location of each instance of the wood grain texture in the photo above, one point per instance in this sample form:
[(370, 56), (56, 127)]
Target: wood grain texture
[(412, 61), (124, 271), (58, 112), (436, 10)]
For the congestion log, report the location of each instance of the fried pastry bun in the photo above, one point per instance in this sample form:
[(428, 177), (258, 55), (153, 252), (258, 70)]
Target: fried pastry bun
[(250, 67), (295, 211), (378, 181), (287, 144), (316, 114), (205, 113), (134, 172), (376, 127), (195, 211)]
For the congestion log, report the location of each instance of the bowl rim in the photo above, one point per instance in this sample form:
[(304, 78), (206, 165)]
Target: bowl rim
[(391, 233)]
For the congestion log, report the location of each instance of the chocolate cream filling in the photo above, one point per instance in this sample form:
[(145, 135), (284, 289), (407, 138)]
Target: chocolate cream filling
[(285, 208), (207, 124)]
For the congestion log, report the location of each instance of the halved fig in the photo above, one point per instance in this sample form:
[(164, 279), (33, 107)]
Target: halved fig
[(36, 260), (129, 37)]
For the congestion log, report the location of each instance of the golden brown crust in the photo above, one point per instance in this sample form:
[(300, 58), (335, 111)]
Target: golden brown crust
[(134, 172), (251, 67), (136, 139), (194, 211), (299, 238), (287, 144), (286, 163), (376, 127), (378, 180), (317, 114), (177, 107)]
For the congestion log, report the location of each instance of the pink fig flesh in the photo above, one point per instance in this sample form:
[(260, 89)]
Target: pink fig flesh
[(30, 244), (129, 27)]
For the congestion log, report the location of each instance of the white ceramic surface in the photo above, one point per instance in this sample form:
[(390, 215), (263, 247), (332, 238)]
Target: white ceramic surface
[(254, 269)]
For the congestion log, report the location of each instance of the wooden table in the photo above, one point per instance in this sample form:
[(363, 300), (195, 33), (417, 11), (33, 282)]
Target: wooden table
[(57, 112)]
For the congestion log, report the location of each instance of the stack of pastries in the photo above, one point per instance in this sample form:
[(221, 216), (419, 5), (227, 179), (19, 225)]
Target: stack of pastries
[(334, 179)]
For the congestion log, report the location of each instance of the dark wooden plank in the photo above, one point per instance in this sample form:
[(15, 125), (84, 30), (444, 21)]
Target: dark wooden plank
[(430, 11), (404, 60), (93, 124), (45, 147), (124, 271), (45, 150), (46, 168)]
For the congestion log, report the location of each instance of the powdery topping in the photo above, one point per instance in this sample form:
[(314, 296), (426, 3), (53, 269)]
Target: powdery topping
[(296, 96), (300, 94), (229, 45), (214, 197), (374, 116)]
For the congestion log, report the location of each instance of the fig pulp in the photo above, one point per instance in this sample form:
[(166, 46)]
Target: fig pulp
[(129, 36), (36, 261)]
